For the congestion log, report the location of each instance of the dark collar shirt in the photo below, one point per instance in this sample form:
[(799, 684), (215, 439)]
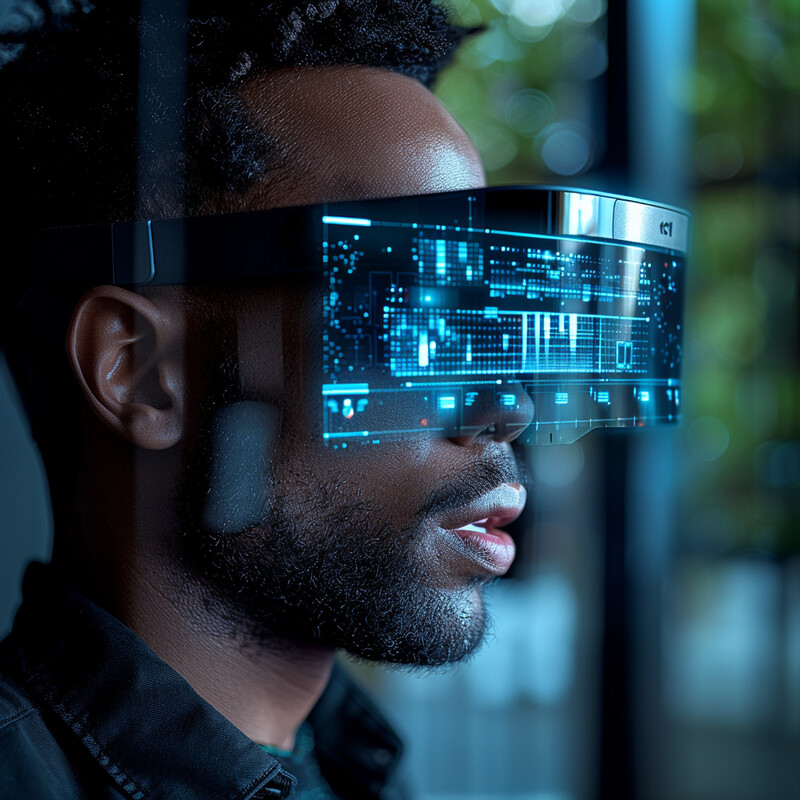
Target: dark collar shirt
[(87, 710)]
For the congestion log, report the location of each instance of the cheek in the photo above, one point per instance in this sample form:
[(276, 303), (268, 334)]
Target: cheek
[(391, 481), (242, 443), (260, 346), (393, 478)]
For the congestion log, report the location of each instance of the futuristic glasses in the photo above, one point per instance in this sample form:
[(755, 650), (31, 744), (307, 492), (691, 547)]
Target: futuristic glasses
[(433, 303)]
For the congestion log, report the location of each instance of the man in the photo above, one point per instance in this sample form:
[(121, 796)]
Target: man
[(185, 633)]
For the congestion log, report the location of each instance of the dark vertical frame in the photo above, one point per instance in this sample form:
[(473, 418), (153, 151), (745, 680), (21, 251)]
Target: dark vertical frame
[(615, 167), (615, 779), (650, 42), (616, 756)]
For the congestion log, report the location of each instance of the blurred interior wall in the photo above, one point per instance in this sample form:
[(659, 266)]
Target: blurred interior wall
[(25, 519)]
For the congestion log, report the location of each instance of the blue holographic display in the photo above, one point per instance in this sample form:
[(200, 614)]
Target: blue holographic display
[(444, 311), (423, 321)]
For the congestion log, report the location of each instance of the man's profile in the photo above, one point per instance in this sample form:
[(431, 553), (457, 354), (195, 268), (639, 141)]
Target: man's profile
[(185, 632)]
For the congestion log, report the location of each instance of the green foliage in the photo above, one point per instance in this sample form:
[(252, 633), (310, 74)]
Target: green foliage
[(516, 85), (743, 355)]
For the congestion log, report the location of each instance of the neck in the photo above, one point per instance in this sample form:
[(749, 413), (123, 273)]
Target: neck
[(266, 690)]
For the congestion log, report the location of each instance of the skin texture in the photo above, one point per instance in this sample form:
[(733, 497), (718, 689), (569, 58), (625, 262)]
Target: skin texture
[(346, 133), (353, 133)]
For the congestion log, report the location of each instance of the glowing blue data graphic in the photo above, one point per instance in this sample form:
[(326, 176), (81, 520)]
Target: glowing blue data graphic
[(428, 321)]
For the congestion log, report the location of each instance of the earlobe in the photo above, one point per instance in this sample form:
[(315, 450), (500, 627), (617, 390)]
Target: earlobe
[(126, 352)]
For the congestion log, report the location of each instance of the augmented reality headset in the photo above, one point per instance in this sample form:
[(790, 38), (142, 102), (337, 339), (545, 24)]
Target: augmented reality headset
[(434, 303)]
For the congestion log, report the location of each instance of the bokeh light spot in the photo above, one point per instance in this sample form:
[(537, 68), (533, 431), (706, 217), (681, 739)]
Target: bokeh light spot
[(538, 13), (566, 149), (586, 11), (529, 110), (719, 156), (777, 464), (529, 34), (587, 55), (497, 45), (708, 438)]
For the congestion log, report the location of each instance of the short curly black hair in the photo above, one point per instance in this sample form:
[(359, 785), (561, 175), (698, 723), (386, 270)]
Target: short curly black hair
[(115, 110), (75, 81)]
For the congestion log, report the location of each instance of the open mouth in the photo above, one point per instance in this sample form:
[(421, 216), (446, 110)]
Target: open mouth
[(481, 535)]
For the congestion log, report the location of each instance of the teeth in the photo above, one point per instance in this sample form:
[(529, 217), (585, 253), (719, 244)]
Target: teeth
[(476, 527)]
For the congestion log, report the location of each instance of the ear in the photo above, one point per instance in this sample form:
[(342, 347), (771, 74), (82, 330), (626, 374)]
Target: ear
[(127, 353)]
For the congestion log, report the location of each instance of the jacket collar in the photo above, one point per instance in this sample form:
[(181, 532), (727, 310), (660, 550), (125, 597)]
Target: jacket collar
[(345, 714), (140, 720), (151, 732)]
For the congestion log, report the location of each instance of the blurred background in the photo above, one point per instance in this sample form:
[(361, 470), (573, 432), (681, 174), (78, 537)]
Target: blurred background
[(647, 643)]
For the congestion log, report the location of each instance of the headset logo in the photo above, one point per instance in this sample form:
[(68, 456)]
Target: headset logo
[(666, 228)]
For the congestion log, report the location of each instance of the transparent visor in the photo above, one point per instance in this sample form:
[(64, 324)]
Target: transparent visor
[(532, 314)]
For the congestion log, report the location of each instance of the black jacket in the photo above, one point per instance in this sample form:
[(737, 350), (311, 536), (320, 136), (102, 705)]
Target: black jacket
[(87, 710)]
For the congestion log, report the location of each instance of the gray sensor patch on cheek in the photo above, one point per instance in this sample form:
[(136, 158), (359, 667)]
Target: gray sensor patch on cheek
[(243, 437)]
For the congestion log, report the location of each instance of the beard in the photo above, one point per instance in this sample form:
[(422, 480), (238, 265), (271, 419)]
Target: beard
[(316, 562), (345, 581)]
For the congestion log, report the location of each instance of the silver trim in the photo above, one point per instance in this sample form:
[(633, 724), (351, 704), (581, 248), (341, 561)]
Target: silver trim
[(587, 214), (604, 216), (651, 225)]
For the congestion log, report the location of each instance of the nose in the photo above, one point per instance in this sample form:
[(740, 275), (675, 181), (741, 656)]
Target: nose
[(499, 414)]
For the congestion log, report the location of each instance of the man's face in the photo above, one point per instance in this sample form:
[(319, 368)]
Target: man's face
[(373, 549)]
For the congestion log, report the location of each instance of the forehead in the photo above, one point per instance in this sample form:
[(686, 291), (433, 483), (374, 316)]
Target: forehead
[(354, 133)]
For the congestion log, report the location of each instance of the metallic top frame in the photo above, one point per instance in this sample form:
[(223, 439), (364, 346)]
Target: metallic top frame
[(285, 240)]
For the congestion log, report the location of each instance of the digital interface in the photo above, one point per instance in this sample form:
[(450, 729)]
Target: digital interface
[(425, 322)]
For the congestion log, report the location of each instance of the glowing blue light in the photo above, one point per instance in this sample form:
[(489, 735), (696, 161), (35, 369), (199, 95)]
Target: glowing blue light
[(364, 223), (441, 259), (345, 388), (423, 354), (439, 332)]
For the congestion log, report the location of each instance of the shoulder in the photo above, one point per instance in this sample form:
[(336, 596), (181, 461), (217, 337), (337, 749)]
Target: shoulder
[(32, 763), (14, 704), (15, 709)]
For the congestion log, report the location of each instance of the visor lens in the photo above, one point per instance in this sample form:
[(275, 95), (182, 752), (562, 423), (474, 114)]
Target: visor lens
[(432, 316), (539, 313)]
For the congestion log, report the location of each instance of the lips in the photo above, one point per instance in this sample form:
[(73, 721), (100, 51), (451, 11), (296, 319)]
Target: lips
[(477, 527)]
